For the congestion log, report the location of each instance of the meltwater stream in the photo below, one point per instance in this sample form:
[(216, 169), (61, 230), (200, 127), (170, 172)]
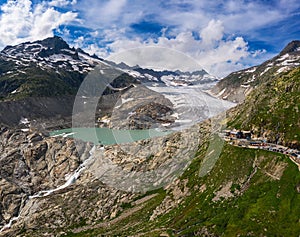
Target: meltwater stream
[(71, 180)]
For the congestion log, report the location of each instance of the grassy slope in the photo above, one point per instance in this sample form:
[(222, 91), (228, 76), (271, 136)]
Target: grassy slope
[(37, 82), (269, 207), (273, 106)]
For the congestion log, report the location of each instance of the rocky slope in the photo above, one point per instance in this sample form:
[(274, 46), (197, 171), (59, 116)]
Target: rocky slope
[(246, 192), (32, 162), (141, 108), (36, 166), (238, 85)]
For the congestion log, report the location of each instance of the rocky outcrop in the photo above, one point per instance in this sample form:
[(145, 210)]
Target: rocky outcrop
[(149, 115), (41, 108), (31, 163), (34, 162), (141, 108), (176, 193)]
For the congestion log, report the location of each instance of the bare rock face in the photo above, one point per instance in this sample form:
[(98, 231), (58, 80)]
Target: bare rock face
[(141, 108), (146, 116), (31, 163), (34, 163)]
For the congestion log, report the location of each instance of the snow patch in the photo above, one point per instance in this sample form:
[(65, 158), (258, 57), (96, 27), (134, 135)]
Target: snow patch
[(68, 51), (68, 134), (76, 68), (245, 86), (24, 121), (267, 69), (126, 100), (282, 69), (134, 73), (14, 92), (60, 57), (251, 70), (283, 57), (221, 92)]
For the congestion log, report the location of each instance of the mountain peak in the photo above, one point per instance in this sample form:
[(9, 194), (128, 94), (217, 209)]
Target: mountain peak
[(293, 46), (54, 41), (53, 45)]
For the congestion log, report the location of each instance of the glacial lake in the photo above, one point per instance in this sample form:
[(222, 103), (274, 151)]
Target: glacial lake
[(107, 136)]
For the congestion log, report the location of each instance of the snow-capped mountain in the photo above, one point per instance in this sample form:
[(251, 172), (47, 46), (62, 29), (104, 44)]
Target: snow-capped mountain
[(167, 77), (239, 84), (40, 80), (51, 53), (50, 67), (46, 68)]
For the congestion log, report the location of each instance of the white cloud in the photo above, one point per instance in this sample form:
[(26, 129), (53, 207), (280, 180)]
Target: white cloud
[(62, 3), (91, 48), (104, 14), (223, 27), (213, 53), (20, 21), (208, 31), (212, 33), (113, 8)]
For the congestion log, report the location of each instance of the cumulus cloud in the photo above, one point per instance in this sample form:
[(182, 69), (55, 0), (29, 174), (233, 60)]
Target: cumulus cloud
[(216, 55), (214, 33), (102, 14), (20, 21)]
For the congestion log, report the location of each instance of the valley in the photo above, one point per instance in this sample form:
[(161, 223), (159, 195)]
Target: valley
[(94, 148)]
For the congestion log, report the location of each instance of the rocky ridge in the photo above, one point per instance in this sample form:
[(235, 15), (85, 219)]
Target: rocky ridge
[(236, 86)]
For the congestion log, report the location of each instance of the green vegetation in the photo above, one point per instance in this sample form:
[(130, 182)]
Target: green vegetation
[(268, 206), (260, 205), (38, 82), (273, 108), (33, 81)]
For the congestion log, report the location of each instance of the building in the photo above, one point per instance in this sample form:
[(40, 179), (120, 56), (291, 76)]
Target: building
[(247, 135)]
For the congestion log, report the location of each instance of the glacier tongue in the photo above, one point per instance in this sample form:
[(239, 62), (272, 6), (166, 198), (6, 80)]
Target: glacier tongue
[(192, 104)]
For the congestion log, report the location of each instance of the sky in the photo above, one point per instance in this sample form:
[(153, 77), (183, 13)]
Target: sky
[(221, 36)]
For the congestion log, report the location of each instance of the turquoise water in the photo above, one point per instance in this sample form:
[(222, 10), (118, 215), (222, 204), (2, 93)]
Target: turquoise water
[(106, 136)]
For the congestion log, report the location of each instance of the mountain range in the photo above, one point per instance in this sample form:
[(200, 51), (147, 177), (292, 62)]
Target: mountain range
[(40, 80), (57, 186), (53, 68)]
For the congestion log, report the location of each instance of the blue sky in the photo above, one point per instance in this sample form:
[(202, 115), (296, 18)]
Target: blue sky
[(222, 36)]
